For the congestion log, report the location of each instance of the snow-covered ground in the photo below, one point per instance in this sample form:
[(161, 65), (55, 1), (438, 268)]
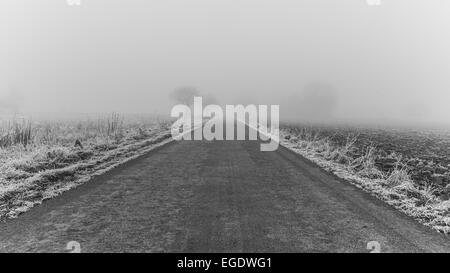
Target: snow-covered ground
[(51, 164), (404, 195)]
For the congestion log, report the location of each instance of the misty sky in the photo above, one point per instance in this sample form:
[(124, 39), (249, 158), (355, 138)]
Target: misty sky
[(387, 63)]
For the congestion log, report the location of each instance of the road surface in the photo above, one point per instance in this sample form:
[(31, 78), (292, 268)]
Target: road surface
[(219, 196)]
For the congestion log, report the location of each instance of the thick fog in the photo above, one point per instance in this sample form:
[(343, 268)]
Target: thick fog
[(321, 60)]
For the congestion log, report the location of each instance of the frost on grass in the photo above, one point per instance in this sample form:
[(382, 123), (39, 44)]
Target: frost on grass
[(384, 174), (50, 160)]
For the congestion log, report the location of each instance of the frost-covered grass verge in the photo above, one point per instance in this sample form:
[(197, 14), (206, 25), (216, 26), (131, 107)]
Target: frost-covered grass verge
[(68, 155), (395, 186)]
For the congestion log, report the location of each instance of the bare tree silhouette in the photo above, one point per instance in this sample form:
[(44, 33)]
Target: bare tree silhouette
[(184, 95)]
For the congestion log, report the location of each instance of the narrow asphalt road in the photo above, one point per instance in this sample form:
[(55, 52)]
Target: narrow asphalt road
[(219, 196)]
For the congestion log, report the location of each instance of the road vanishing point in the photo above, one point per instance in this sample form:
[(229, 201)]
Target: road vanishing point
[(217, 196)]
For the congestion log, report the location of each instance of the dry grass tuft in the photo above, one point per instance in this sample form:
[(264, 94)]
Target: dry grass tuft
[(385, 173), (16, 132), (40, 159)]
